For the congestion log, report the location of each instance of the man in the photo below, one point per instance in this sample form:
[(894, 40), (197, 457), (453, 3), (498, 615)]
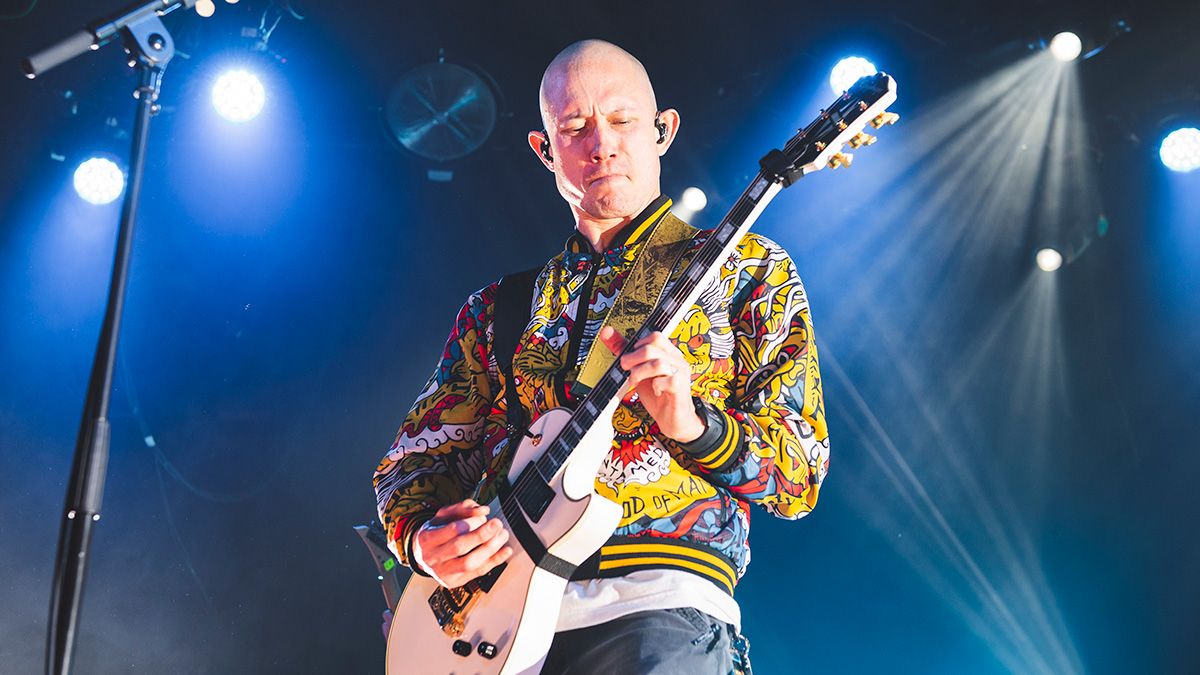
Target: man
[(726, 411)]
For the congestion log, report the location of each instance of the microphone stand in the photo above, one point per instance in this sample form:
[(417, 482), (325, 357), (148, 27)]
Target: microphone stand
[(149, 47)]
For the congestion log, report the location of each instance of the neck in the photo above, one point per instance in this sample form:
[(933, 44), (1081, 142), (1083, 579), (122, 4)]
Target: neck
[(600, 232)]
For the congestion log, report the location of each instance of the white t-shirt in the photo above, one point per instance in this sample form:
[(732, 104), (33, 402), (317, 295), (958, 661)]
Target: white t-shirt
[(595, 601)]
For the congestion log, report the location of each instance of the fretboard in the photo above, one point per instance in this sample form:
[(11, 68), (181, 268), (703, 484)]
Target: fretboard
[(665, 317)]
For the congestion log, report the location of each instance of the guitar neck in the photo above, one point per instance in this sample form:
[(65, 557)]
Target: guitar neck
[(667, 314)]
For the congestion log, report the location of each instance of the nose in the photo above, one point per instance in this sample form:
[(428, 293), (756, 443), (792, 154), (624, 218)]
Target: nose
[(604, 143)]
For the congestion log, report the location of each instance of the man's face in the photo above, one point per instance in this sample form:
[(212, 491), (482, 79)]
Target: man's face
[(600, 119)]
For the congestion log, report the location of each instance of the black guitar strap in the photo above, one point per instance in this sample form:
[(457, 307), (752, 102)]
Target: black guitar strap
[(510, 316), (528, 539), (514, 298)]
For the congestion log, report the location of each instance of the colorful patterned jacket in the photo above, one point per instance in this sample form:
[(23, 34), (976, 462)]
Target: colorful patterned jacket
[(749, 340)]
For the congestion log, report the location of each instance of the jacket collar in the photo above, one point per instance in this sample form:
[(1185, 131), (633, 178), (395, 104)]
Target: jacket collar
[(636, 230)]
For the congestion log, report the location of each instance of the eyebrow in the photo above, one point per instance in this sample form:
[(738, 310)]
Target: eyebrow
[(576, 114)]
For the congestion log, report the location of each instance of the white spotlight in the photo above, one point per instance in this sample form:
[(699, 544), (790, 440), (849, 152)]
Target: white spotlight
[(238, 95), (847, 71), (1066, 46), (99, 180), (1180, 150), (1049, 260), (693, 199)]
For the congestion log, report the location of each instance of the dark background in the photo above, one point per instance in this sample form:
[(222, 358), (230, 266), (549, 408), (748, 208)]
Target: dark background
[(1014, 452)]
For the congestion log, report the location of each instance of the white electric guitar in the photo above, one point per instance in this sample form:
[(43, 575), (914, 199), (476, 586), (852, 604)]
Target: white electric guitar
[(503, 622)]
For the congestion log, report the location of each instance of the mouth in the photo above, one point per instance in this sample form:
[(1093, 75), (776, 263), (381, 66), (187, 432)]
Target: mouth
[(593, 180)]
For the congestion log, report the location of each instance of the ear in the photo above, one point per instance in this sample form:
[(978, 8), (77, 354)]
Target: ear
[(669, 117), (535, 143)]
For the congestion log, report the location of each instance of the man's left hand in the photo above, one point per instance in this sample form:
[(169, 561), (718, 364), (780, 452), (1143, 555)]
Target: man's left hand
[(662, 379)]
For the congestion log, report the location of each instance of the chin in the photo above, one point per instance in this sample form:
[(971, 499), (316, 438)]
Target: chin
[(610, 205)]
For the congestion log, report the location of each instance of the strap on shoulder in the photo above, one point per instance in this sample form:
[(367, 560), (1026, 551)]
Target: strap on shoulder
[(510, 317)]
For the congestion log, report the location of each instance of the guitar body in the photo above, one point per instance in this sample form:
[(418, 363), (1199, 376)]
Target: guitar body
[(517, 615)]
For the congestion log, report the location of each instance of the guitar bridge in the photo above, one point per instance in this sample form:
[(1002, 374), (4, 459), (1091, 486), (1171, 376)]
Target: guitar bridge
[(452, 606)]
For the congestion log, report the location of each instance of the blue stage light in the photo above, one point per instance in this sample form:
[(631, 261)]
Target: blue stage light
[(99, 180), (847, 71), (238, 95), (1180, 150)]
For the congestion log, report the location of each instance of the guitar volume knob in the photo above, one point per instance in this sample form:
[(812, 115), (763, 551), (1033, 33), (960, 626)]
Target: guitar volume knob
[(462, 647), (487, 650)]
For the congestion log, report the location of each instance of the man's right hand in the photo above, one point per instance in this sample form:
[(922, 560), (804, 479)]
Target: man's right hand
[(461, 543)]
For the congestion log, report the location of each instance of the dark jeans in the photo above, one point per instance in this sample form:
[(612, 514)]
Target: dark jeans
[(681, 641)]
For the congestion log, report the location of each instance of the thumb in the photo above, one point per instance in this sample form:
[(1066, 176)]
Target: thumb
[(612, 339)]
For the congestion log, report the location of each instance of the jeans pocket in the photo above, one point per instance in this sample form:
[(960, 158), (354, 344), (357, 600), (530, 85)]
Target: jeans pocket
[(698, 619), (708, 630)]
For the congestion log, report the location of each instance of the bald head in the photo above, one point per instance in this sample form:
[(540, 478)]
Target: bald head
[(588, 56), (603, 134)]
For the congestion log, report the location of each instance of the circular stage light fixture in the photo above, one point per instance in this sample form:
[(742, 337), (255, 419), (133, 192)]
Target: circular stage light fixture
[(1180, 150), (1066, 46), (99, 180), (848, 71), (441, 111), (693, 199), (238, 95), (1049, 259)]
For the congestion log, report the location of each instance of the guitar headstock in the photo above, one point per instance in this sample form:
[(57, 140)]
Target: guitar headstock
[(822, 143)]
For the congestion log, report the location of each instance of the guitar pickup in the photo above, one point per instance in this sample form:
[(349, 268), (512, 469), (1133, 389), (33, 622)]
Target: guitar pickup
[(533, 495), (485, 582)]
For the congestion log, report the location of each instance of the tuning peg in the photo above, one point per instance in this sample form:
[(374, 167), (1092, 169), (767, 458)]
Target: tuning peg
[(840, 159), (860, 139), (885, 118)]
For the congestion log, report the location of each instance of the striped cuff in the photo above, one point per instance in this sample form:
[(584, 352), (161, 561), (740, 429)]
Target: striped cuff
[(717, 448), (407, 534)]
